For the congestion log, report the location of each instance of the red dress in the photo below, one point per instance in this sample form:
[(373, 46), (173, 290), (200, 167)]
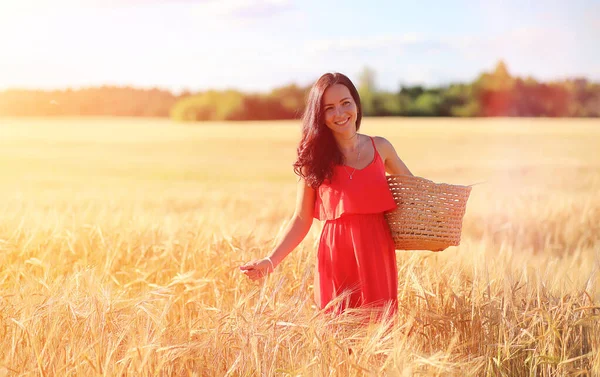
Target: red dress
[(356, 251)]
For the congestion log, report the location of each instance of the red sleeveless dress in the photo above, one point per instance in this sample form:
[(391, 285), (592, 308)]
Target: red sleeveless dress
[(356, 252)]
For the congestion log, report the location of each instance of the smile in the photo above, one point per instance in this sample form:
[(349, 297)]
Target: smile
[(343, 122)]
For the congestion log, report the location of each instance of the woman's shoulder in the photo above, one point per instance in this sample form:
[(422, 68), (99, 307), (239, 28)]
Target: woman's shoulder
[(381, 143), (378, 140), (384, 147)]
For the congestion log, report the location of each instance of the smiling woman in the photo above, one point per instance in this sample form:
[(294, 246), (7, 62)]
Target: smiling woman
[(342, 182), (340, 108)]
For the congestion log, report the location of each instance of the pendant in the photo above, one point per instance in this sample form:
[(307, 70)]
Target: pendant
[(350, 177)]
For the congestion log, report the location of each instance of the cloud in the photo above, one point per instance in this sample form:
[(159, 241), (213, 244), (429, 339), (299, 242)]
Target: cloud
[(241, 9), (32, 4), (591, 19), (545, 52), (25, 8), (370, 43), (233, 15), (214, 8), (526, 42), (522, 39)]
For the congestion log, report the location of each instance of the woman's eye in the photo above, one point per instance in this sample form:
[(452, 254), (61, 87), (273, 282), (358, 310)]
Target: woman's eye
[(346, 103)]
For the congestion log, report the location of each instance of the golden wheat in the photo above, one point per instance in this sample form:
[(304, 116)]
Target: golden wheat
[(120, 241)]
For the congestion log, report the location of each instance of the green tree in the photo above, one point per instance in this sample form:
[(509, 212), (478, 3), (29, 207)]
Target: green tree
[(427, 104), (499, 80), (292, 98), (211, 105), (458, 100), (387, 104), (367, 91), (412, 92)]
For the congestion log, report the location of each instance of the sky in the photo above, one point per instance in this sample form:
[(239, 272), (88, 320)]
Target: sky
[(256, 45)]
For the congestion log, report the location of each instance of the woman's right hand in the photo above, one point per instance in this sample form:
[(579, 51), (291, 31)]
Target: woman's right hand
[(257, 269)]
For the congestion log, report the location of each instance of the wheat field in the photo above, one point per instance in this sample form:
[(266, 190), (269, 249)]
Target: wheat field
[(120, 241)]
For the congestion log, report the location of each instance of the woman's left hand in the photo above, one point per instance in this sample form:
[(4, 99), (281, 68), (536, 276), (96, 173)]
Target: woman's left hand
[(257, 269)]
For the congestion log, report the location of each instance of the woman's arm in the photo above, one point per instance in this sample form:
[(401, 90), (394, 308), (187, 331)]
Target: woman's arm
[(295, 232), (393, 163), (299, 225)]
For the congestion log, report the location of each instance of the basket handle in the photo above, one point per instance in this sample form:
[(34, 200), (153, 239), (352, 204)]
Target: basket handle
[(406, 175), (478, 183)]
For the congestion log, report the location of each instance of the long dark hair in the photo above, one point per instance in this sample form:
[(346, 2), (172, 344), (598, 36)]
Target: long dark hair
[(318, 152)]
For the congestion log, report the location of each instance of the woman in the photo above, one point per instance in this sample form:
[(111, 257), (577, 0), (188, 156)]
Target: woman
[(342, 181)]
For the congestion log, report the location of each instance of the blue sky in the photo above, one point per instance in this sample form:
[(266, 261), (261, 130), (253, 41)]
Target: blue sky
[(255, 45)]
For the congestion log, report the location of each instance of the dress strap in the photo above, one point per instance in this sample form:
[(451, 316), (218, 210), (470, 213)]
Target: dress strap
[(374, 147)]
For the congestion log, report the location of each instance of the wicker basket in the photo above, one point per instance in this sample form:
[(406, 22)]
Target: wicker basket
[(429, 215)]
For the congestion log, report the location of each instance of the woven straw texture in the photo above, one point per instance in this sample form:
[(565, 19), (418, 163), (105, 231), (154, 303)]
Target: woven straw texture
[(428, 215)]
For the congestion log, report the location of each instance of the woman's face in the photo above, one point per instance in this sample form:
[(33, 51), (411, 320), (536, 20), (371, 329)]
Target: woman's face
[(340, 110)]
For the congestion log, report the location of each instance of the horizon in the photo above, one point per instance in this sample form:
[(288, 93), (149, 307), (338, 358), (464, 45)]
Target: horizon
[(254, 46)]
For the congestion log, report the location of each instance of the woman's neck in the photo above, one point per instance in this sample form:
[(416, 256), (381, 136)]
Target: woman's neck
[(348, 144)]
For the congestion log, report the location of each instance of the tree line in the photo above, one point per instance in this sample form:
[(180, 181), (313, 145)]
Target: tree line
[(495, 93)]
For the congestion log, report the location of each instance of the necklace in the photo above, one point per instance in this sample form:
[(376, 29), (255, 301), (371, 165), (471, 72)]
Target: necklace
[(357, 159)]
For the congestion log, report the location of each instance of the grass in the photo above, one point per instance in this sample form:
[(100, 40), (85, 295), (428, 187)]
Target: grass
[(120, 241)]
